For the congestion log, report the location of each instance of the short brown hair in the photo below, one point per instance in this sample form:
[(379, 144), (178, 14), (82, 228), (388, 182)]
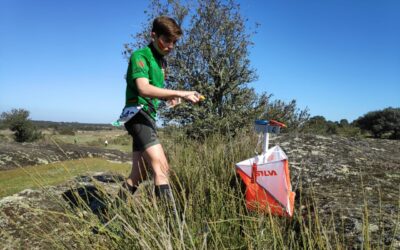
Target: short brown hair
[(166, 26)]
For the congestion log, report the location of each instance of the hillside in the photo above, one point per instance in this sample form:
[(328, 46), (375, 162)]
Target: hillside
[(343, 177)]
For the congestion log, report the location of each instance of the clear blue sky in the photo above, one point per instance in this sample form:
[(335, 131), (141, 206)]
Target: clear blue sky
[(62, 60)]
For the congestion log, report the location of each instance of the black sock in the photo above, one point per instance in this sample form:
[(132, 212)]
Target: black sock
[(126, 187), (165, 195), (132, 189), (163, 191)]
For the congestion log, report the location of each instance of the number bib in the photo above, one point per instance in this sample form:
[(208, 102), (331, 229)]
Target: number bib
[(126, 115)]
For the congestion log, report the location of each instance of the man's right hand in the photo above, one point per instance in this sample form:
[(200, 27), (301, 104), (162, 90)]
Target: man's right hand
[(191, 96)]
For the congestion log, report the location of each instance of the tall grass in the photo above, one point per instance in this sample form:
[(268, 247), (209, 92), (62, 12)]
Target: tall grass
[(211, 209)]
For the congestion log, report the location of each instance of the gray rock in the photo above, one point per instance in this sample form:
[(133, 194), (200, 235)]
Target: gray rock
[(13, 154), (22, 214), (341, 173)]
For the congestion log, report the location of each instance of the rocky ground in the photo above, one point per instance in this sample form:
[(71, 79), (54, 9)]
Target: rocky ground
[(23, 214), (13, 154), (346, 177)]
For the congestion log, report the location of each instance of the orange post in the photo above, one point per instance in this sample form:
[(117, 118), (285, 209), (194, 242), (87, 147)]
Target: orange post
[(254, 173)]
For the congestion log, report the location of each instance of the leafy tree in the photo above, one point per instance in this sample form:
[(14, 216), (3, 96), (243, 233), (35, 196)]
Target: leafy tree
[(381, 123), (316, 124), (17, 120), (319, 125), (288, 113), (212, 57), (343, 123)]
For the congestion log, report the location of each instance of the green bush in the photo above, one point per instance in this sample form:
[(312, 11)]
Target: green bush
[(65, 131), (121, 140), (3, 138), (17, 120), (382, 123), (348, 130), (319, 125)]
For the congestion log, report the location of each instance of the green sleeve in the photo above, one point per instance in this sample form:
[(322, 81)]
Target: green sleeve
[(140, 66)]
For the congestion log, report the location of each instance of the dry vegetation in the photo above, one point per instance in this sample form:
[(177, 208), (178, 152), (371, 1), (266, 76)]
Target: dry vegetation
[(211, 208)]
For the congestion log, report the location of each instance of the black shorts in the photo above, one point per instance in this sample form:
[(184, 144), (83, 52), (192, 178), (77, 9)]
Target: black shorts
[(142, 128)]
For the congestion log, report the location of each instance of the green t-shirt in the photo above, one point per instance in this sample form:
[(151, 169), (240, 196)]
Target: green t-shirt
[(149, 64)]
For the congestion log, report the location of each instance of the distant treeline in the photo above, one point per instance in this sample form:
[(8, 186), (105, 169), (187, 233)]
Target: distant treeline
[(72, 125), (26, 130), (384, 124)]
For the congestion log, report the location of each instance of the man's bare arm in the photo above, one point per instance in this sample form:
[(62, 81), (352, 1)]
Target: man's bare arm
[(147, 90)]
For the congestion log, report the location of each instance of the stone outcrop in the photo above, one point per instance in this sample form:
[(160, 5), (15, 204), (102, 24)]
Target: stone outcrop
[(345, 177), (32, 218), (13, 154)]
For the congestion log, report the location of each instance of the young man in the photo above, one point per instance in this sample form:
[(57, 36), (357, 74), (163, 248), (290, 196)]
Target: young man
[(145, 86)]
